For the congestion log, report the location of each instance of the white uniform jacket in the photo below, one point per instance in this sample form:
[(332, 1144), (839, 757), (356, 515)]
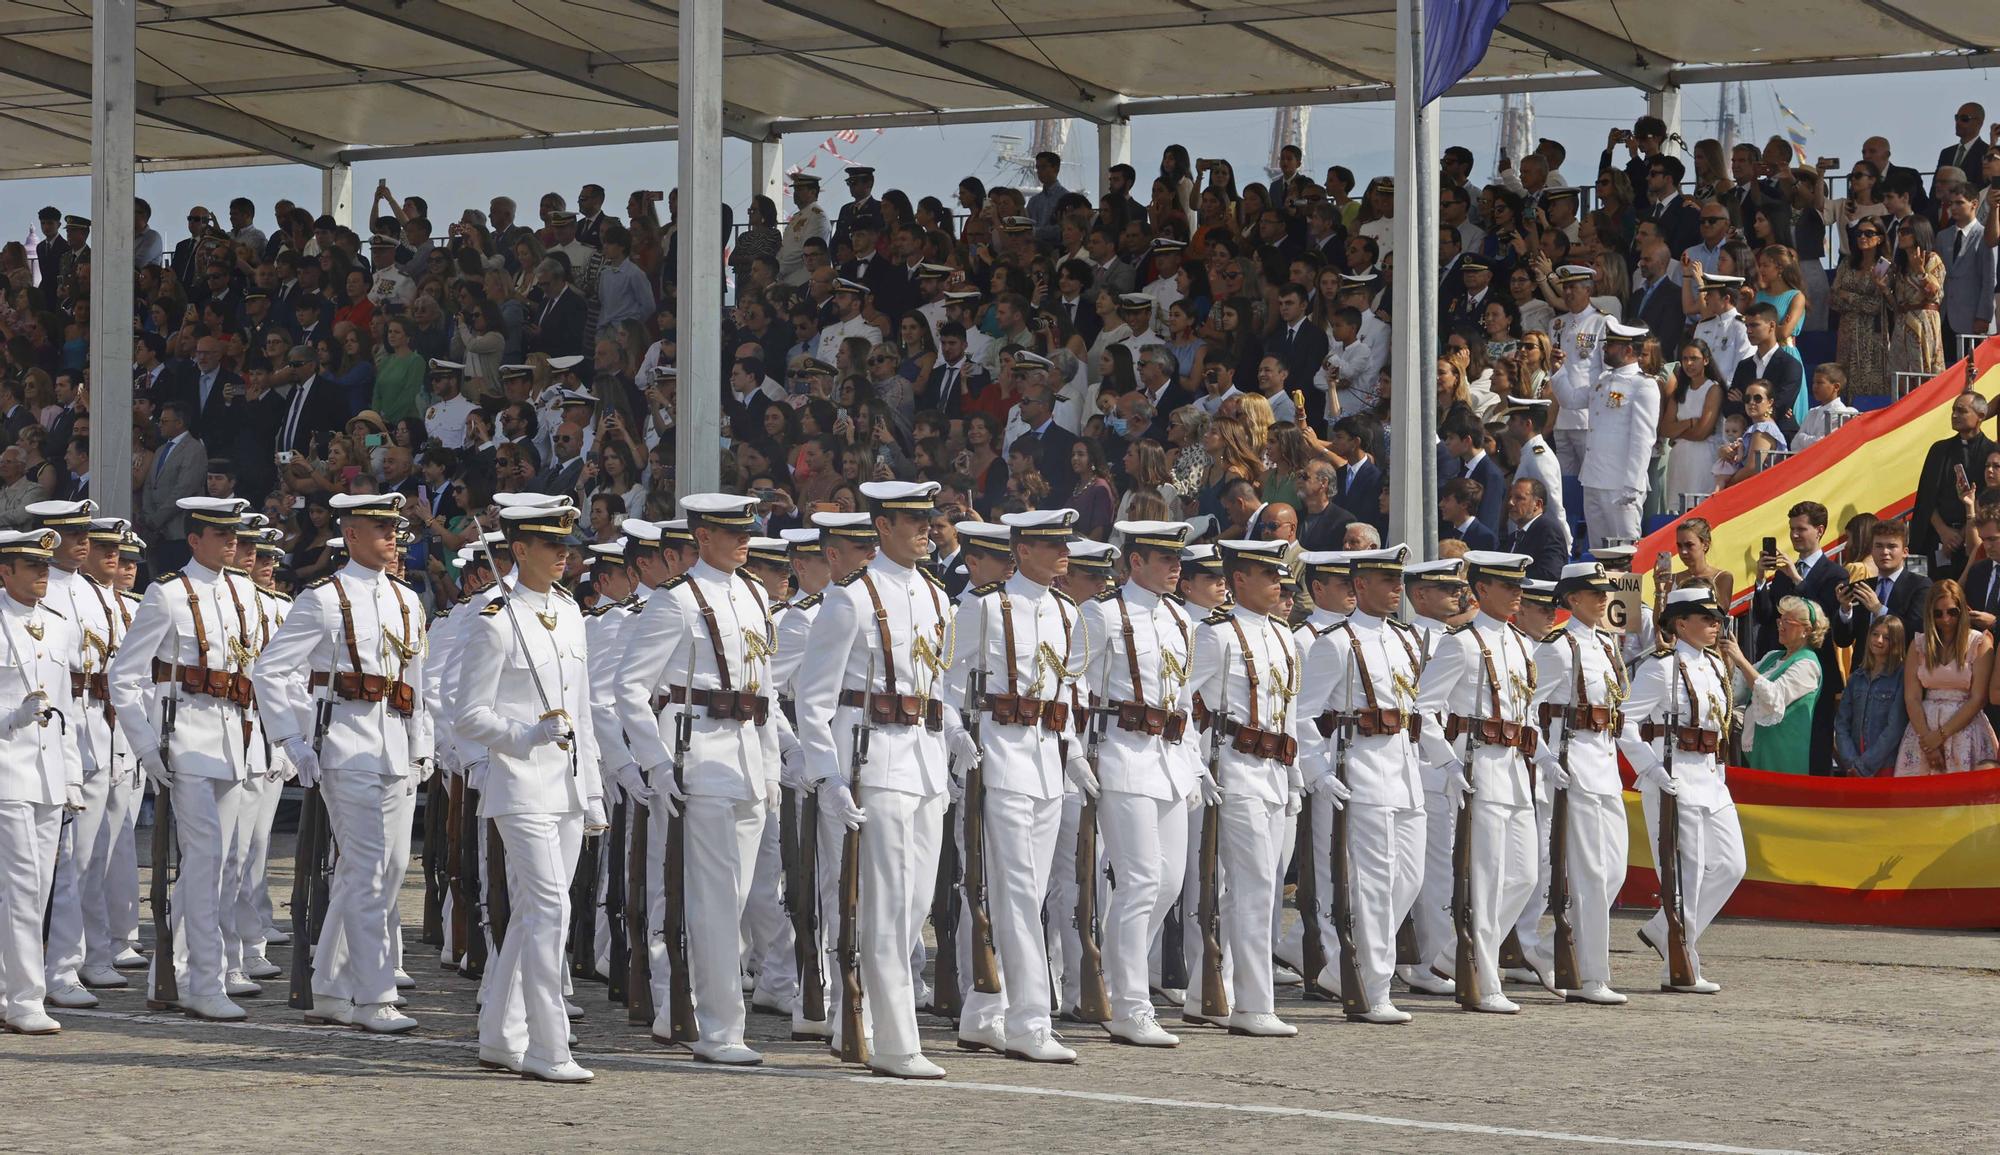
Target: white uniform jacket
[(208, 731), (604, 639), (1263, 700), (39, 761), (668, 645), (445, 653), (1624, 416), (500, 704), (1683, 687), (1047, 658), (100, 618), (1456, 681), (1382, 769), (1579, 341), (850, 652), (1131, 633), (384, 628), (1593, 755)]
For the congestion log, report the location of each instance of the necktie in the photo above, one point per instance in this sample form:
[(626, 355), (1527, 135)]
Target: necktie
[(949, 384), (1957, 243), (160, 462), (291, 434), (1882, 587)]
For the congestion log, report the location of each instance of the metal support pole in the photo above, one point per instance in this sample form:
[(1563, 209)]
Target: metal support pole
[(113, 40), (767, 172), (1666, 104), (1114, 147), (697, 444), (336, 193), (1413, 397)]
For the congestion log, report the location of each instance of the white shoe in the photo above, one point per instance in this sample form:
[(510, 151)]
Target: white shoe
[(130, 960), (1260, 1024), (1039, 1046), (259, 967), (71, 997), (925, 995), (569, 1038), (1497, 1005), (382, 1019), (329, 1011), (1383, 1013), (403, 980), (1140, 1030), (1284, 976), (498, 1059), (32, 1023), (1173, 996), (973, 1037), (102, 978), (1700, 986), (238, 986), (770, 1004), (1521, 975), (726, 1054), (213, 1009), (808, 1031), (572, 1010), (905, 1067), (748, 981), (1596, 992), (1191, 1013), (1425, 982), (564, 1072), (276, 937)]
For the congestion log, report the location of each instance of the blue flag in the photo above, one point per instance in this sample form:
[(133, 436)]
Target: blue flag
[(1456, 33)]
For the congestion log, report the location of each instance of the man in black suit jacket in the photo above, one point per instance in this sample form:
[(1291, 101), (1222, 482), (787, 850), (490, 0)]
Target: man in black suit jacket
[(953, 377), (1048, 443), (1358, 484), (1658, 305), (869, 267), (1968, 153), (211, 390), (1458, 505), (1677, 218), (1324, 526), (1937, 519), (559, 318), (1897, 589), (1464, 441), (314, 408), (1534, 533), (1157, 377), (1767, 362), (1301, 345), (1816, 578)]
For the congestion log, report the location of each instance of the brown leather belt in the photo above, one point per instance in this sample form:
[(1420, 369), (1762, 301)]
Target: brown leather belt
[(1690, 739), (1494, 732), (727, 705), (897, 709), (1260, 743), (210, 683), (98, 685), (358, 687), (1375, 723), (1152, 721), (1596, 719), (1021, 710)]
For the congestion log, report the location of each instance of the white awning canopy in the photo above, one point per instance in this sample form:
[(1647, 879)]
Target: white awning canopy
[(325, 82)]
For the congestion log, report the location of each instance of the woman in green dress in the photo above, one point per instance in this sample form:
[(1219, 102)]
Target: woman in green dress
[(1777, 732)]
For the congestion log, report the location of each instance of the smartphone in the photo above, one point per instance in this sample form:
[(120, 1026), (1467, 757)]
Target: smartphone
[(1827, 162), (286, 457), (374, 441), (824, 507), (1958, 474), (1298, 399), (764, 493), (1770, 547)]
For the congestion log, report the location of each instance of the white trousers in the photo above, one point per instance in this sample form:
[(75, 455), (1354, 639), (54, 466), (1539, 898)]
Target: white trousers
[(1569, 446), (206, 811), (1503, 878), (523, 1012), (242, 923), (1020, 851), (766, 928), (1283, 945), (1712, 863), (1385, 868), (29, 832), (1598, 837), (1252, 830), (1609, 513), (1146, 849), (370, 816), (1528, 926), (122, 880), (721, 836), (1431, 916), (79, 914), (257, 870), (899, 863)]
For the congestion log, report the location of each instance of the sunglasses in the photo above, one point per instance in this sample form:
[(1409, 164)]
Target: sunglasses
[(1942, 615), (1860, 233)]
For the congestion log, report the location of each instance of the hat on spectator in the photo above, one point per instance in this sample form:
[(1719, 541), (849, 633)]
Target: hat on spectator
[(562, 217), (1388, 559), (1540, 593), (383, 241), (1692, 600), (62, 516), (1170, 535), (1585, 575), (885, 496), (1201, 557), (1135, 302), (568, 397), (1031, 359), (370, 417), (76, 222), (565, 364), (439, 367), (1616, 558), (847, 526), (961, 295), (110, 530), (1575, 274), (510, 372), (1040, 524), (802, 540), (985, 536), (1474, 263), (1330, 563), (675, 532), (729, 511), (1168, 245), (665, 372), (1016, 224), (1444, 571), (34, 544), (1093, 557), (556, 521), (804, 178), (1354, 281), (814, 367), (1565, 193), (927, 271), (1242, 551), (1616, 330), (1720, 283), (256, 295), (843, 285), (860, 172), (769, 550), (389, 505), (1492, 565), (224, 511), (1534, 405)]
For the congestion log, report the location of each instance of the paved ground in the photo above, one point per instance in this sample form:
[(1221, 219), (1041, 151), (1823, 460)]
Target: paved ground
[(1824, 1040)]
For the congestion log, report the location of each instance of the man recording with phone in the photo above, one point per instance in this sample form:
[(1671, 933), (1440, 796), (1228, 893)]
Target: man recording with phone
[(1937, 521), (1816, 578)]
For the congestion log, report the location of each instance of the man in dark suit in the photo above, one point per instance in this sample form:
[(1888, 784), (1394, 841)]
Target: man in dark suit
[(1458, 499), (186, 263), (49, 254), (1359, 482), (1968, 152), (1326, 522), (1301, 345), (557, 329), (1937, 519), (861, 188), (1073, 301), (1767, 362), (1658, 305), (1048, 443), (1465, 441), (1159, 379), (252, 430), (1816, 578), (212, 393), (953, 377), (869, 267), (314, 408), (1677, 218), (1534, 533), (1895, 590)]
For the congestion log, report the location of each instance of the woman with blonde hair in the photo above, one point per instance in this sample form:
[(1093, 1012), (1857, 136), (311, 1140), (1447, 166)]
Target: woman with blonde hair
[(1784, 686), (1945, 684)]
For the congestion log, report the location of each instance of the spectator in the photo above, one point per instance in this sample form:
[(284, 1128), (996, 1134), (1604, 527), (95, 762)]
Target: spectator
[(1937, 518), (1092, 498), (1915, 288), (1145, 468), (1893, 589), (1784, 689), (1869, 725), (399, 374), (1945, 687), (1693, 538)]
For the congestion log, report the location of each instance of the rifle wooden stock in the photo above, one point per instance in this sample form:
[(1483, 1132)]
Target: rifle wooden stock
[(1214, 996), (811, 954), (1407, 954), (472, 952), (1680, 963), (583, 911), (1353, 999), (305, 868), (1173, 949), (166, 991), (985, 963), (1466, 958), (1093, 1001), (947, 989), (681, 1006), (639, 957), (432, 932), (619, 930), (1559, 894), (1312, 949), (461, 888), (853, 1047), (499, 904)]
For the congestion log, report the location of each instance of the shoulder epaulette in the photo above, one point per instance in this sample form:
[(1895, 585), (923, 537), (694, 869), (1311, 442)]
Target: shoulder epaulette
[(492, 607), (597, 611), (1342, 624), (462, 599), (564, 591), (1175, 598), (174, 576), (807, 602), (1216, 618), (675, 582), (932, 578), (1517, 630), (315, 585), (51, 611), (1110, 595), (404, 582), (1459, 628), (1282, 623), (850, 579), (238, 571), (1062, 596), (989, 587), (128, 595), (286, 598), (1553, 634)]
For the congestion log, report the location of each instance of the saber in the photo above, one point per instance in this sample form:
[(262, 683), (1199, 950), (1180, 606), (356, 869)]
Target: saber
[(541, 693)]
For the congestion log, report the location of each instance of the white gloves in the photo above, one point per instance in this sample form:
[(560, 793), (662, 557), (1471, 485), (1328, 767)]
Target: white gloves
[(73, 797), (594, 821), (552, 729), (1294, 802), (300, 752), (964, 751), (1211, 794), (475, 774), (425, 768), (791, 772), (27, 712), (629, 779), (155, 767), (1658, 778), (1457, 785), (837, 802), (666, 789), (1081, 776), (1334, 790)]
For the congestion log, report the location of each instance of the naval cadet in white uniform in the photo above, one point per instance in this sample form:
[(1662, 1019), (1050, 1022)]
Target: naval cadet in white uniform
[(1624, 417), (1578, 335), (1434, 590)]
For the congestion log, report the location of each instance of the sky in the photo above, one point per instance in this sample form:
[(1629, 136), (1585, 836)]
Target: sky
[(1913, 110)]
